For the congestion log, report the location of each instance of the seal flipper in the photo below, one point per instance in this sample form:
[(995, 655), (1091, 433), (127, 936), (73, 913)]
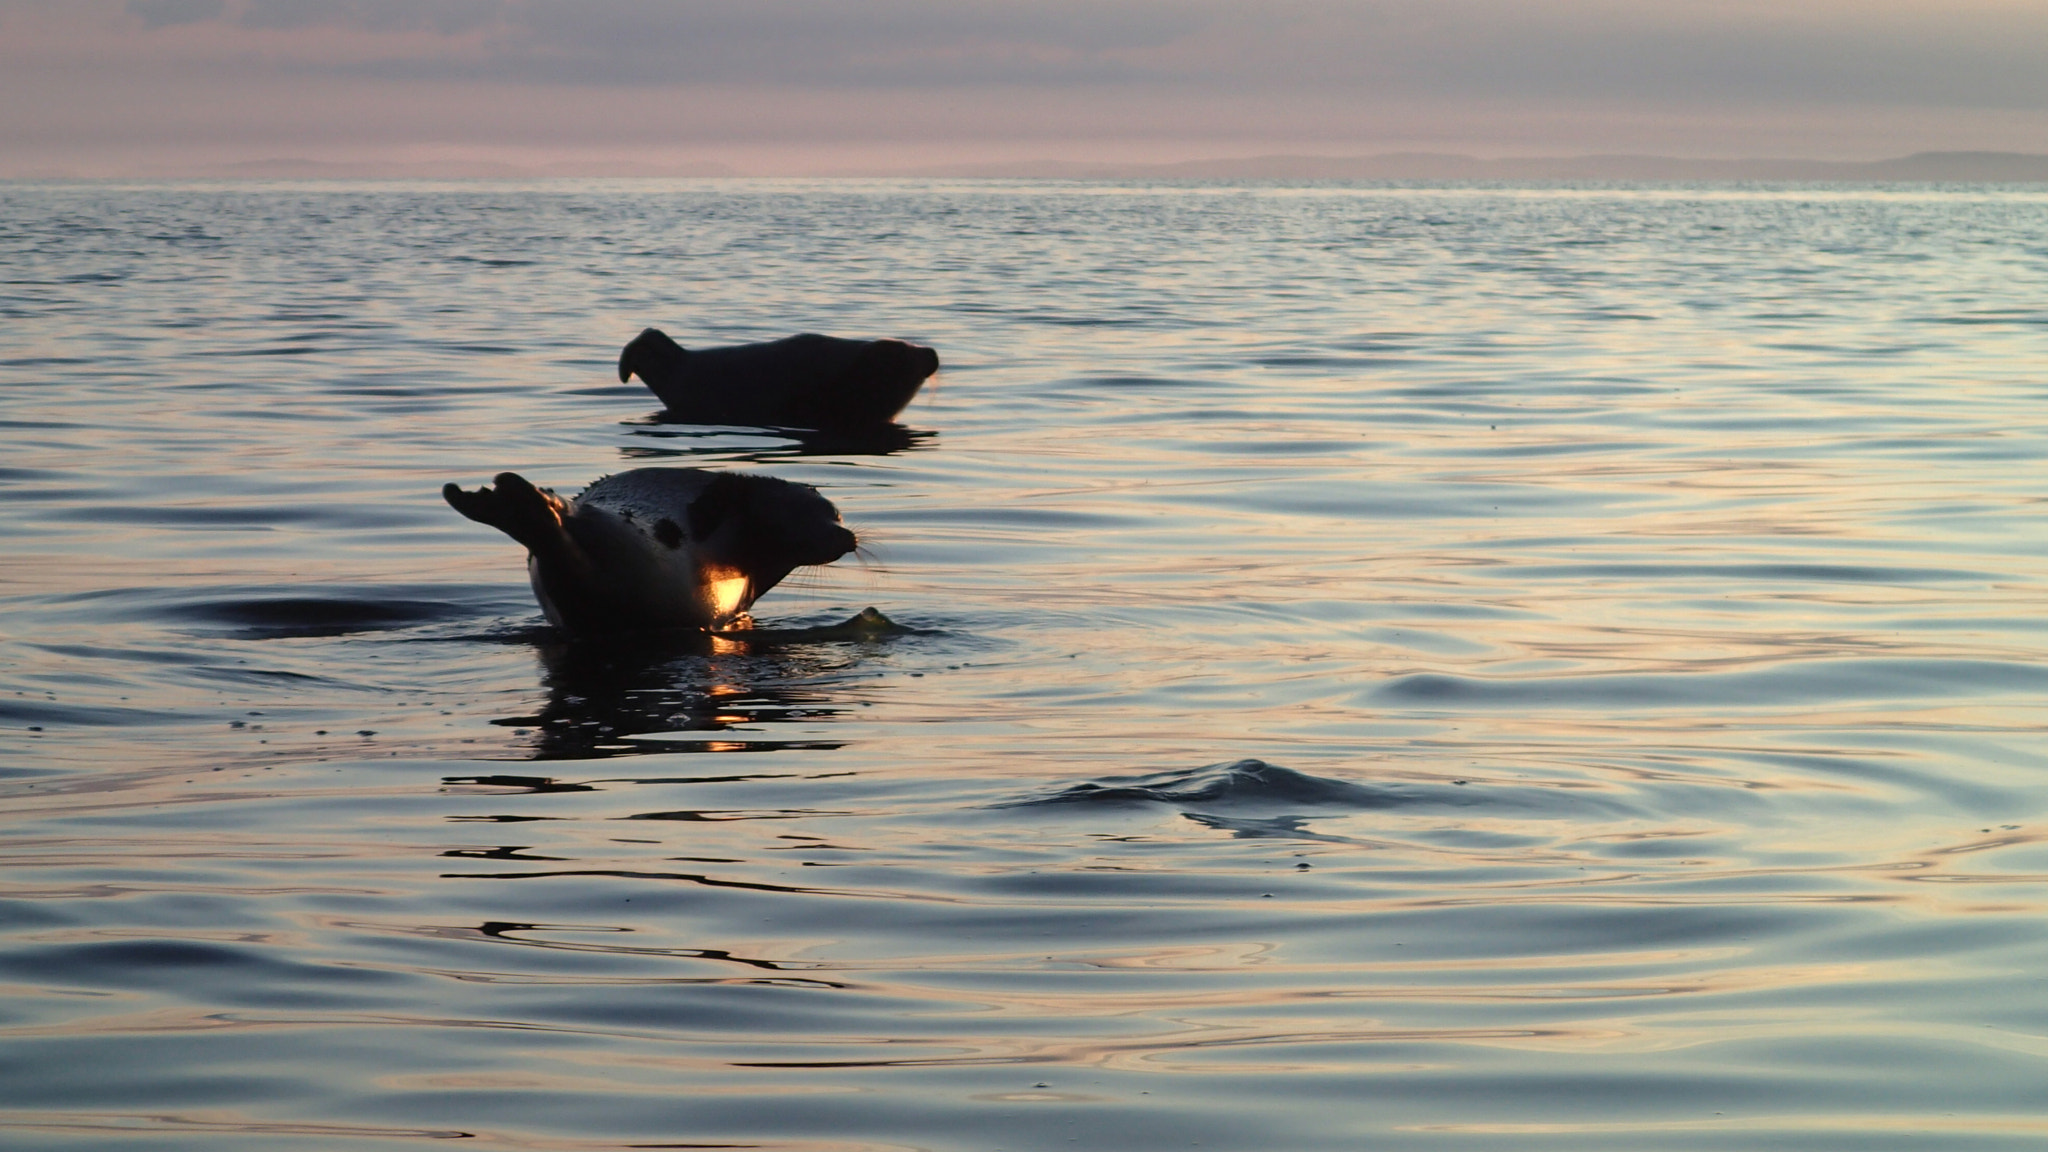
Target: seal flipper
[(527, 514), (565, 579), (656, 359)]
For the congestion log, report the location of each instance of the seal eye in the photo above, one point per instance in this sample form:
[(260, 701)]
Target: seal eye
[(668, 532)]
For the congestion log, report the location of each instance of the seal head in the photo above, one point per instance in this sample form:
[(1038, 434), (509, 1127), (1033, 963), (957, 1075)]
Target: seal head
[(806, 381), (656, 549)]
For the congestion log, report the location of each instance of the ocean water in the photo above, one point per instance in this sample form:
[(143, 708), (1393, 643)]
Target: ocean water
[(1381, 667)]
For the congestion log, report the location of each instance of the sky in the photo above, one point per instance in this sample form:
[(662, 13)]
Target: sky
[(787, 87)]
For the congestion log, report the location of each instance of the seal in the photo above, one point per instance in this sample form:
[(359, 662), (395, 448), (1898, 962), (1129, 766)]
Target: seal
[(806, 381), (657, 549)]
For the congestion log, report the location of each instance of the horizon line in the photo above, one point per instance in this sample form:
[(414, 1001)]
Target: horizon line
[(1927, 166)]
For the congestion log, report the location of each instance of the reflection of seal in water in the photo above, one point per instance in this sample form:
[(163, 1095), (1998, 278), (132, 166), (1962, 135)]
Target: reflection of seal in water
[(658, 548), (806, 381)]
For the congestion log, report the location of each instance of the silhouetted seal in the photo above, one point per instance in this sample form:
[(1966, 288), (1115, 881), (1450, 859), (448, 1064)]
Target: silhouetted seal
[(806, 381), (658, 548)]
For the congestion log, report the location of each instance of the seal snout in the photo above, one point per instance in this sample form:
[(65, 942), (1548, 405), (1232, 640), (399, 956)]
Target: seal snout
[(831, 541)]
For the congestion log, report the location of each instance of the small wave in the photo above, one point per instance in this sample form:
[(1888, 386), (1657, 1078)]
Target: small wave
[(1796, 684), (1242, 782), (1254, 798)]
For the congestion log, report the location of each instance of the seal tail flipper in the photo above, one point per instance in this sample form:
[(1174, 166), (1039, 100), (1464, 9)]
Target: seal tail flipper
[(518, 509), (653, 357)]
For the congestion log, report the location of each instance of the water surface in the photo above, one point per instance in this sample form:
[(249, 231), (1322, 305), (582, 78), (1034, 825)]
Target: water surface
[(1409, 668)]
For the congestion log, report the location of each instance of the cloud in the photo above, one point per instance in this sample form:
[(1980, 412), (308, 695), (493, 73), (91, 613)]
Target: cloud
[(1981, 53), (1193, 77)]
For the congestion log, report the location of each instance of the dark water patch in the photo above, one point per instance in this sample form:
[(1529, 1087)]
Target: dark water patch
[(49, 714), (609, 699), (1989, 318), (244, 974), (1265, 827), (867, 624), (287, 350), (364, 609), (25, 475), (1332, 363), (714, 440), (236, 674), (224, 516), (518, 784), (502, 852), (636, 744), (711, 816), (1799, 684), (549, 937), (275, 415), (696, 878), (140, 655), (43, 425), (75, 492), (528, 630)]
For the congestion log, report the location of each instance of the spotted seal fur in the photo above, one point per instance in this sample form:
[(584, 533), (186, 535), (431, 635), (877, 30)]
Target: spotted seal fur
[(658, 549)]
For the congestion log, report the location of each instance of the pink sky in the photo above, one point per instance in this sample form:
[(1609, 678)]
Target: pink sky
[(107, 88)]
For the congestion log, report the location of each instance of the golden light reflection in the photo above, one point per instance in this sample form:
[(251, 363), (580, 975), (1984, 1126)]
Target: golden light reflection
[(725, 589)]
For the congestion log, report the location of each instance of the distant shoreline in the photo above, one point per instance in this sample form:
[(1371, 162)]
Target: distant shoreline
[(1960, 167), (1920, 167)]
